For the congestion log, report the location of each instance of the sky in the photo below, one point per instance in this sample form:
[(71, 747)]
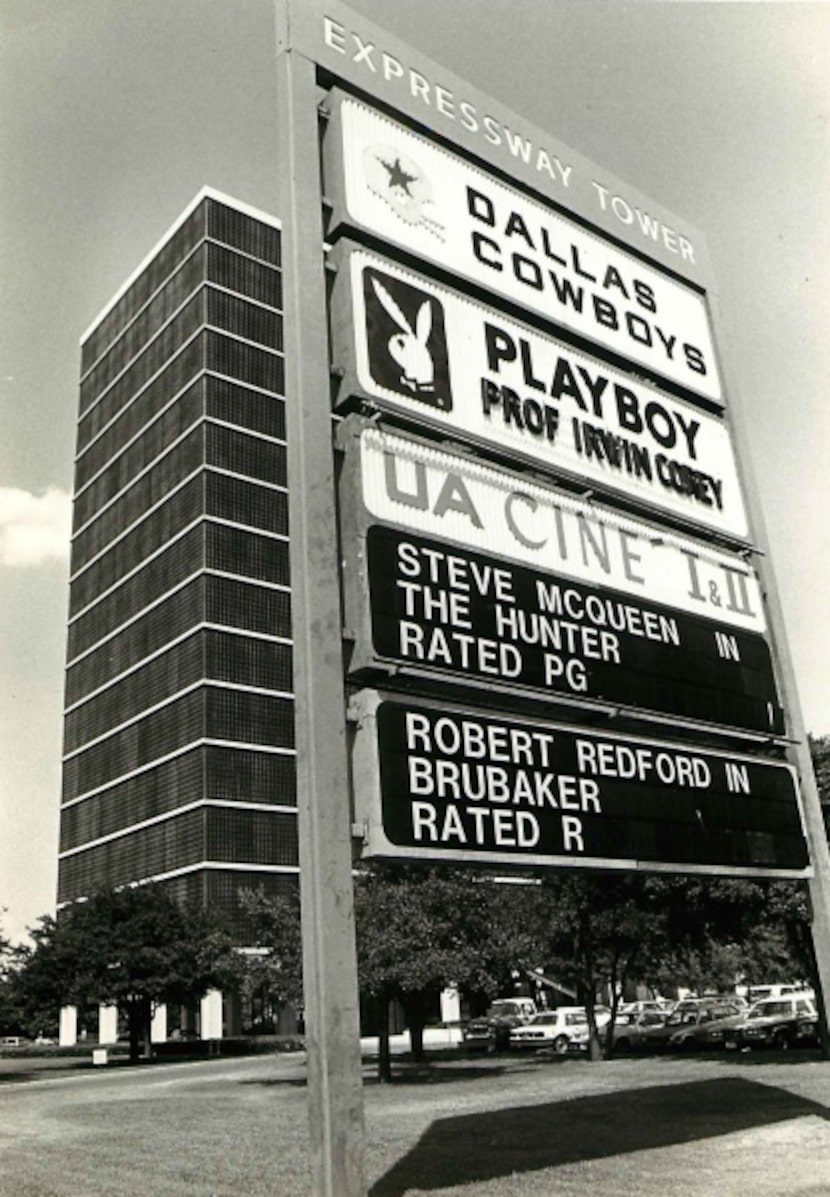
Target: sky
[(114, 114)]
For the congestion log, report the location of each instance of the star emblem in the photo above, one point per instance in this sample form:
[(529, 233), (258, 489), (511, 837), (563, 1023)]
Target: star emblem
[(398, 176)]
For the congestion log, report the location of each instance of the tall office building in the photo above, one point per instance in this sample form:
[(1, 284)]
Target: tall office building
[(179, 760)]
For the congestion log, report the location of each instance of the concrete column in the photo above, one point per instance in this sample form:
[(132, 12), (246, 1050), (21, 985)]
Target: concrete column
[(233, 1014), (450, 1005), (211, 1014), (158, 1027), (107, 1024), (68, 1032)]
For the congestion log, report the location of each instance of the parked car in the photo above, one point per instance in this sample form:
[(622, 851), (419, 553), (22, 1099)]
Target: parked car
[(551, 1028), (633, 1031), (703, 1021), (759, 993), (493, 1029), (709, 1026), (647, 1005), (777, 1022)]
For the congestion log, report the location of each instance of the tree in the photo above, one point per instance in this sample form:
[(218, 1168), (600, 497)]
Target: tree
[(11, 960), (134, 948), (601, 929), (276, 965), (421, 929)]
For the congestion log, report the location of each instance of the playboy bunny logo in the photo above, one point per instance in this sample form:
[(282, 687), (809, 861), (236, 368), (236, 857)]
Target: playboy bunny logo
[(406, 340), (409, 346)]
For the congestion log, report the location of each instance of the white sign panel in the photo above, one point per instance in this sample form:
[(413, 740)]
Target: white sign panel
[(443, 360), (444, 494), (403, 188)]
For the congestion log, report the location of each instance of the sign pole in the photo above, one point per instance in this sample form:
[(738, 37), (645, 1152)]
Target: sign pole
[(335, 1092), (798, 753)]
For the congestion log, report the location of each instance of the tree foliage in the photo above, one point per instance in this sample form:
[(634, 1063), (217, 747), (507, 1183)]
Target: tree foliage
[(601, 931), (275, 966), (418, 931), (134, 948)]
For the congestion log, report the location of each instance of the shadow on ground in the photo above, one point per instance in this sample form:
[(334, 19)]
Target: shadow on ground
[(414, 1074), (480, 1147)]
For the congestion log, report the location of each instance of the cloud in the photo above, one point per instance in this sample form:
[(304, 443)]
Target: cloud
[(34, 528)]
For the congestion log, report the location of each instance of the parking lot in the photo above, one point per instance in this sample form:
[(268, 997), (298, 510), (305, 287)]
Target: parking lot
[(486, 1126)]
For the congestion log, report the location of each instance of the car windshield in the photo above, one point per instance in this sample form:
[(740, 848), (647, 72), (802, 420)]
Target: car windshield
[(544, 1019), (765, 1009)]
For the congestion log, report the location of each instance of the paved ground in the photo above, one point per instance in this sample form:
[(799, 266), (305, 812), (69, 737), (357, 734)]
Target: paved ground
[(720, 1126)]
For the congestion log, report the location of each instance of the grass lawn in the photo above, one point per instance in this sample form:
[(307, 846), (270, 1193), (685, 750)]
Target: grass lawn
[(491, 1127)]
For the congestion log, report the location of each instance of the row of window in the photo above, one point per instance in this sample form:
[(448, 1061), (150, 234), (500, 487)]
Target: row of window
[(208, 545), (142, 431), (136, 456), (243, 232), (244, 275), (209, 771), (237, 359), (223, 890), (102, 433), (188, 277), (146, 284), (216, 445), (245, 363), (248, 320), (206, 599), (220, 495), (210, 218), (206, 654), (99, 387), (208, 264), (209, 712), (151, 534), (155, 484), (249, 837), (177, 562)]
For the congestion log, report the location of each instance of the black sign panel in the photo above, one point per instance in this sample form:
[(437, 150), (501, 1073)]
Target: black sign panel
[(455, 783), (438, 607)]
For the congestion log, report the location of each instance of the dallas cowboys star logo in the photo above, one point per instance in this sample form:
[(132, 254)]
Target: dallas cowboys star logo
[(398, 176), (401, 183)]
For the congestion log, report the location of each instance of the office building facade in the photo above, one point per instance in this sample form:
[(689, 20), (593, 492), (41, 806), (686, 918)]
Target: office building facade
[(178, 737)]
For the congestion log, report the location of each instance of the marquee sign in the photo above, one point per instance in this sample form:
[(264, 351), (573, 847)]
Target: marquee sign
[(429, 355), (438, 781), (394, 184), (349, 47), (438, 611), (433, 492)]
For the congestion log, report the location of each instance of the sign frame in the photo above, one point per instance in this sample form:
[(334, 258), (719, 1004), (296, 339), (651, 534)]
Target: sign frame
[(543, 267), (367, 781), (459, 314), (568, 671), (357, 518), (321, 42), (350, 49)]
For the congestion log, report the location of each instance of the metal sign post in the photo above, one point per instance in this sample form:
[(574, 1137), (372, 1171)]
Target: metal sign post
[(798, 751), (335, 1094)]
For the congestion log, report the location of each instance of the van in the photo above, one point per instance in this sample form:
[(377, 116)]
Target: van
[(760, 993), (11, 1040)]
